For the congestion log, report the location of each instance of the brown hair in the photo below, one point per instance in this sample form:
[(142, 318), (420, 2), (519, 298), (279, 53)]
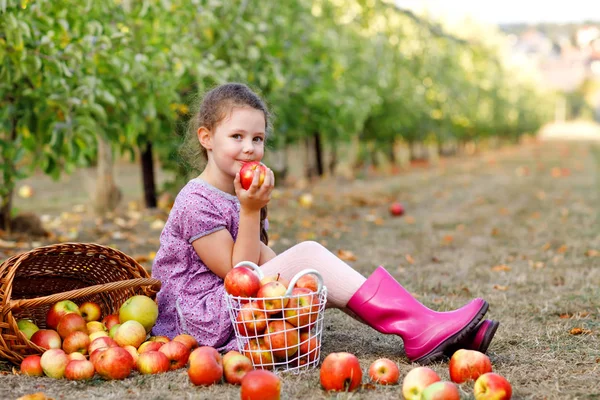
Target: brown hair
[(215, 106)]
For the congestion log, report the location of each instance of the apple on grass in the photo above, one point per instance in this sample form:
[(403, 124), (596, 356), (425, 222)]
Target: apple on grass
[(282, 338), (47, 338), (340, 372), (131, 332), (441, 391), (139, 308), (190, 342), (260, 385), (384, 371), (242, 282), (54, 362), (468, 365), (416, 381), (78, 370), (396, 209), (27, 327), (31, 366), (76, 341), (248, 171), (113, 363), (235, 367), (90, 311), (491, 386), (271, 298), (152, 362), (134, 354), (302, 308), (71, 323), (58, 310), (206, 366), (177, 353), (251, 321)]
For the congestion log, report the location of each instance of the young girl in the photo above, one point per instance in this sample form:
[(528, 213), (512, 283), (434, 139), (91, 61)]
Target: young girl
[(214, 224)]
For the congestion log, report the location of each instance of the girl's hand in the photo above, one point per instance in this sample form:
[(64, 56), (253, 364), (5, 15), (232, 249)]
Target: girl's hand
[(256, 197)]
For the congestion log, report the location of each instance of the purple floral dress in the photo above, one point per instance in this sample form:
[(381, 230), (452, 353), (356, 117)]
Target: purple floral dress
[(191, 299)]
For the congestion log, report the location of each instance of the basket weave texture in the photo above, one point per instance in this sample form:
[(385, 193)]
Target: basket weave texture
[(33, 281)]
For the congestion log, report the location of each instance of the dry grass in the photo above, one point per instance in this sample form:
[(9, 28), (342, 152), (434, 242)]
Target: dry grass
[(464, 218)]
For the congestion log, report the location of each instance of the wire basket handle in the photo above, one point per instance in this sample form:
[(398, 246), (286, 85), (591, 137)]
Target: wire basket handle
[(300, 275), (251, 265)]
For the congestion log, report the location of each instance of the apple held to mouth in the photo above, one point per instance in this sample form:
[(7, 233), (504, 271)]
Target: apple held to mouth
[(247, 173)]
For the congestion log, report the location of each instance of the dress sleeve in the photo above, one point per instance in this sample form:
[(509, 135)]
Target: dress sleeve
[(200, 217)]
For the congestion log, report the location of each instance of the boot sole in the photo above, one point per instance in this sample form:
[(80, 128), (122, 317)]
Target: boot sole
[(487, 338), (483, 345), (438, 352)]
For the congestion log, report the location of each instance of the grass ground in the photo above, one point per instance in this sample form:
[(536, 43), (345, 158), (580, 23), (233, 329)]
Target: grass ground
[(519, 227)]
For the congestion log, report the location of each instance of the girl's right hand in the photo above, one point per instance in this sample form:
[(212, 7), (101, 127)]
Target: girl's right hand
[(256, 197)]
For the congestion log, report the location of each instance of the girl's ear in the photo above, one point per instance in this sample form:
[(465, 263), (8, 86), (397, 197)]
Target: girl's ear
[(205, 138)]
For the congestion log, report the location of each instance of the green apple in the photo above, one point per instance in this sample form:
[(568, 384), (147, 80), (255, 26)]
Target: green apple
[(139, 308), (27, 327)]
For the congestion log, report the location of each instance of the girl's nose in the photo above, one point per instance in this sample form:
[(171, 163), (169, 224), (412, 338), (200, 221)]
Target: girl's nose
[(248, 146)]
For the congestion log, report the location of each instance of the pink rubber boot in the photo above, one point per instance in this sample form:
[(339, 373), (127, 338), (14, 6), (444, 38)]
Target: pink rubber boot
[(479, 339), (387, 307)]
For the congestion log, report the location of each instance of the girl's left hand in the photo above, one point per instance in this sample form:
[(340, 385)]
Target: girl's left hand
[(256, 197)]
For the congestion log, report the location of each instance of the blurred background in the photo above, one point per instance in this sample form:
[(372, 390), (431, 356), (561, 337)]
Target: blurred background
[(96, 95)]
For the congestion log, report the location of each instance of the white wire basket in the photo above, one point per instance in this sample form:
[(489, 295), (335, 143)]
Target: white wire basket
[(280, 333)]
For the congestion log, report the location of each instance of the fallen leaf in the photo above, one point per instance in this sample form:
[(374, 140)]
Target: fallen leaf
[(592, 253), (501, 288), (448, 239), (409, 220), (501, 267), (35, 396), (346, 255), (495, 232), (580, 331), (7, 244), (410, 259), (562, 249), (546, 246)]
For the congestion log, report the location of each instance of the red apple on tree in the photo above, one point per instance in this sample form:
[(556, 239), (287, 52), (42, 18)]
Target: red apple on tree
[(152, 362), (47, 338), (242, 282), (206, 366), (31, 366), (491, 386), (78, 370), (340, 372), (58, 310), (177, 353), (416, 381), (260, 385), (251, 321), (235, 367), (441, 391), (384, 371), (271, 298), (247, 173), (468, 365), (113, 363)]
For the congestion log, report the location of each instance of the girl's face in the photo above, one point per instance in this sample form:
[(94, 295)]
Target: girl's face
[(237, 139)]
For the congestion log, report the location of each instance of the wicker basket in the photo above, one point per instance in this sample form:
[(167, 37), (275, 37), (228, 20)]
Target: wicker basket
[(32, 282)]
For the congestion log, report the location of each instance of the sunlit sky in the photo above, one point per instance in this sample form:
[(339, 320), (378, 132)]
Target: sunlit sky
[(511, 11)]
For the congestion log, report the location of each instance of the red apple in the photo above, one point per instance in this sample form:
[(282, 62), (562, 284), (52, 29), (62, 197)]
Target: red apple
[(97, 334), (31, 366), (94, 355), (71, 323), (309, 349), (441, 391), (466, 365), (177, 353), (76, 356), (96, 326), (384, 371), (190, 342), (491, 386), (54, 362), (133, 353), (90, 311), (206, 366), (282, 338), (275, 278), (259, 353), (152, 362), (113, 363), (76, 341), (139, 308), (303, 307), (149, 346), (396, 209), (242, 282), (111, 320), (103, 342), (307, 281), (271, 298), (251, 321), (78, 370), (160, 339), (27, 327), (58, 310), (247, 173), (235, 367), (47, 338), (131, 332), (416, 381), (340, 372), (260, 385)]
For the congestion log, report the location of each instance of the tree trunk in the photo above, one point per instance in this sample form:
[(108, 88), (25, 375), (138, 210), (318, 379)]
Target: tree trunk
[(319, 154), (147, 161), (333, 161), (6, 206), (108, 195)]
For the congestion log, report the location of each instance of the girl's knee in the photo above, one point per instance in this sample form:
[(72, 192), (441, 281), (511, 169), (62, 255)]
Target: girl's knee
[(309, 247)]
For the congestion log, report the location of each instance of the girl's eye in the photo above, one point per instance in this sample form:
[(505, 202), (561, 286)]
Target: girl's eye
[(237, 136), (258, 139)]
